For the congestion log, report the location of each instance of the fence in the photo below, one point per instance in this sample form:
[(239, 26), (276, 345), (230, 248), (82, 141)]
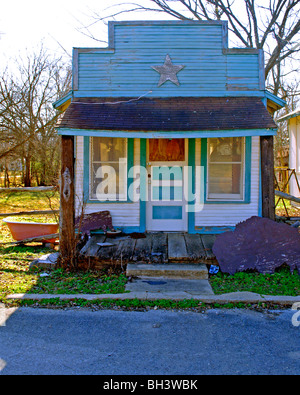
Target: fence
[(282, 178)]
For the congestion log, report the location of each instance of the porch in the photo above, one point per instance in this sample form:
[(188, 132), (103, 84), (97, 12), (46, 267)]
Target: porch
[(149, 248)]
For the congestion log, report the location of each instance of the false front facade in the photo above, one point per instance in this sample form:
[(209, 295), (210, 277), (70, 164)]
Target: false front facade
[(168, 129)]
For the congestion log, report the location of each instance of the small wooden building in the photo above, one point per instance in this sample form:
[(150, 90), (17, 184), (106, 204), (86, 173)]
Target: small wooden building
[(293, 119), (168, 129)]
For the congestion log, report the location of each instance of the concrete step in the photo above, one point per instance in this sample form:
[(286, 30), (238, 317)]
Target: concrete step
[(183, 271), (166, 285)]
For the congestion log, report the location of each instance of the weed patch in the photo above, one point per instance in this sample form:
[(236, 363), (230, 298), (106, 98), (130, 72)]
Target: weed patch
[(281, 283)]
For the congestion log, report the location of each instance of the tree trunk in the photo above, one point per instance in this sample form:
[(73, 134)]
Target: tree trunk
[(27, 175), (267, 177), (67, 206), (6, 177)]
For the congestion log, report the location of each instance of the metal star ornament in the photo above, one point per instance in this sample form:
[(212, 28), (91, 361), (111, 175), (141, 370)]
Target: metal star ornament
[(168, 72)]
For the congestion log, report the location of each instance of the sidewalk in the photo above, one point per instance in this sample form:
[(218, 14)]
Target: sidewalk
[(164, 286), (236, 297)]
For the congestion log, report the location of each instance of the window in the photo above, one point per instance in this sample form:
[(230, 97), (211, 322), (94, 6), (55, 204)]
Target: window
[(225, 178), (166, 150), (108, 168)]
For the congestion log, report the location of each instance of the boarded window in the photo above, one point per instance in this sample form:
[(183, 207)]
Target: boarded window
[(108, 161), (226, 168), (166, 150)]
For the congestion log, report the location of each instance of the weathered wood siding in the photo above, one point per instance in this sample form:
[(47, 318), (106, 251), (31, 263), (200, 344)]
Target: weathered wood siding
[(228, 214), (123, 214), (124, 68), (242, 72)]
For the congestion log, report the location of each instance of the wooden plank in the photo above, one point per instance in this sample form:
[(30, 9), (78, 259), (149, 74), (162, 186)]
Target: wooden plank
[(194, 247), (177, 247), (208, 242), (33, 239), (91, 248), (159, 251), (142, 251), (267, 177), (287, 196), (107, 253), (125, 250)]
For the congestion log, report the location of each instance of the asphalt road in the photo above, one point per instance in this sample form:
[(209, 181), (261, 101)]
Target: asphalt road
[(156, 342)]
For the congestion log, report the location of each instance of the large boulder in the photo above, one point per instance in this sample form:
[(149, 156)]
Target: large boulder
[(258, 244)]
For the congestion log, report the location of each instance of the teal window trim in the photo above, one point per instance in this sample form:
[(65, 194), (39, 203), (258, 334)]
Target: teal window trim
[(86, 171), (260, 192), (247, 173), (143, 185), (192, 164), (167, 134)]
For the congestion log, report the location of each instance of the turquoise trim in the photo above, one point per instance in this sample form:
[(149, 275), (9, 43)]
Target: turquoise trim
[(159, 94), (191, 183), (248, 156), (62, 100), (265, 101), (247, 173), (167, 212), (125, 229), (205, 230), (166, 134), (213, 230), (275, 99), (130, 164), (260, 192), (143, 185), (86, 171)]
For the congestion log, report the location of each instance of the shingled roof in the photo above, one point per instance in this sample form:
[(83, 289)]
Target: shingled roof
[(167, 114)]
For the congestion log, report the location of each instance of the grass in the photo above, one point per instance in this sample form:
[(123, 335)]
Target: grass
[(60, 282), (144, 305), (282, 282), (292, 210), (11, 202), (15, 276)]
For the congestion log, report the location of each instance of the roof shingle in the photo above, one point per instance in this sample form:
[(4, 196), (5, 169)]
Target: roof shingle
[(167, 114)]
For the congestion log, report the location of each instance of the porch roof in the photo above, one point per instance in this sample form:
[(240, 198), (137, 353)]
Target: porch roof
[(167, 114)]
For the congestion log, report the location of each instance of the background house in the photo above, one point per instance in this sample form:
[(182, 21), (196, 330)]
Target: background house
[(293, 119)]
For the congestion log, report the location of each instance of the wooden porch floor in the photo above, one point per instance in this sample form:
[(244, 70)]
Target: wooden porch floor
[(154, 248)]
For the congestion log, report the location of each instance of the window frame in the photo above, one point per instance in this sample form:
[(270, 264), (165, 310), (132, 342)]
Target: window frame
[(87, 193), (246, 174)]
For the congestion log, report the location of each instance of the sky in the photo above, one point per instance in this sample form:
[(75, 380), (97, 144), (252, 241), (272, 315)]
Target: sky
[(25, 24)]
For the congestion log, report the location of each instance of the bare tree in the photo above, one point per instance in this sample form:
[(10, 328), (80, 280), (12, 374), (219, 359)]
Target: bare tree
[(290, 92), (26, 113)]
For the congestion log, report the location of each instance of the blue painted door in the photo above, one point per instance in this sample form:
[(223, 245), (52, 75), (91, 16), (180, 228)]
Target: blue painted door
[(166, 206)]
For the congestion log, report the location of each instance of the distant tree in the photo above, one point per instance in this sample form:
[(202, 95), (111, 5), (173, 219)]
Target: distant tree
[(290, 92)]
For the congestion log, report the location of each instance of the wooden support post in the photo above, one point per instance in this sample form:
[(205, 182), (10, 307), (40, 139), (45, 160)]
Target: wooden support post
[(267, 177), (67, 204)]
